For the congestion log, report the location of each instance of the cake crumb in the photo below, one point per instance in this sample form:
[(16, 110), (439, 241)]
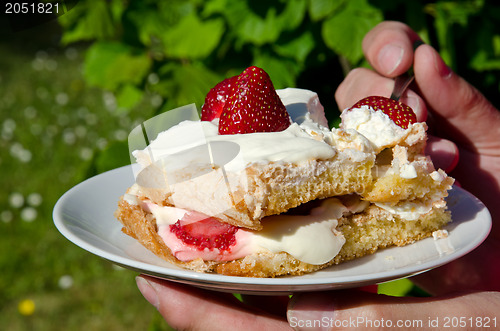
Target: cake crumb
[(440, 234)]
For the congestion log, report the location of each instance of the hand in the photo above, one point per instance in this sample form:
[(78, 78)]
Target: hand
[(188, 308), (458, 112)]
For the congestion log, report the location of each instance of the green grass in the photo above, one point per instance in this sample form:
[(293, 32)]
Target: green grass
[(52, 129)]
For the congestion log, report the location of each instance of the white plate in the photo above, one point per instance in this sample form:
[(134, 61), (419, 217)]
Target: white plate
[(84, 215)]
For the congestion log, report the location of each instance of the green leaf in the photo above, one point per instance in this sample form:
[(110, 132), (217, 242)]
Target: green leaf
[(88, 21), (283, 72), (258, 22), (260, 30), (344, 31), (483, 62), (149, 23), (115, 155), (293, 14), (319, 9), (151, 19), (455, 11), (128, 96), (111, 64), (185, 84), (397, 288), (446, 15), (193, 38), (298, 48), (496, 45), (254, 23), (234, 12)]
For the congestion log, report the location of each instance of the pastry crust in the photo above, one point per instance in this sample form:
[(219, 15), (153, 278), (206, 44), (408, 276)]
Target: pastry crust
[(244, 198), (365, 233)]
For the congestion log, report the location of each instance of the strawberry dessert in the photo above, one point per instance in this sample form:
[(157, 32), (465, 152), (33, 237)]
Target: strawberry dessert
[(262, 187)]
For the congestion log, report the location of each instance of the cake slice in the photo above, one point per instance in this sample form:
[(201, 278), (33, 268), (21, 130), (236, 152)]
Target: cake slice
[(263, 188)]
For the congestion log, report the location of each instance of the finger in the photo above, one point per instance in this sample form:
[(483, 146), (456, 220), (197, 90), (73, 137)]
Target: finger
[(461, 112), (275, 305), (187, 308), (389, 48), (444, 153), (477, 271), (362, 82), (348, 309)]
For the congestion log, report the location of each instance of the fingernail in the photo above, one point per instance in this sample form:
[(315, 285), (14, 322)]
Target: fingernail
[(310, 312), (390, 57), (148, 291), (441, 67)]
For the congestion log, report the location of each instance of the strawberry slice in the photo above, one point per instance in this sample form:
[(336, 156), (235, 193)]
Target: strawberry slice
[(207, 233), (215, 99), (400, 113), (253, 105)]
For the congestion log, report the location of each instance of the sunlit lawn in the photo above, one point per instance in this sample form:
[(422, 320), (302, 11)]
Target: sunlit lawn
[(52, 127)]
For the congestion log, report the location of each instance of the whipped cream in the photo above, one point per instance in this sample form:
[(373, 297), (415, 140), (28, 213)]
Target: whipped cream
[(309, 238), (376, 126), (407, 210), (408, 171), (405, 168), (305, 109), (303, 140)]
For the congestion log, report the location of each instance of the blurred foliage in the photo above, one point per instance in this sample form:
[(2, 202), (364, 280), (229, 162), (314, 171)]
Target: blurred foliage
[(178, 49)]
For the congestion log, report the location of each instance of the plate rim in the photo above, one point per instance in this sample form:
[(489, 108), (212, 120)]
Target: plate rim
[(192, 277)]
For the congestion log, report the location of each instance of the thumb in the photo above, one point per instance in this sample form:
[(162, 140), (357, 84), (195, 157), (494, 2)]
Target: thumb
[(459, 109), (359, 310), (188, 308)]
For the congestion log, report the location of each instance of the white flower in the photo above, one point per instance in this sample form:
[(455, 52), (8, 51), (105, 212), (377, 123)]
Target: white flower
[(16, 200)]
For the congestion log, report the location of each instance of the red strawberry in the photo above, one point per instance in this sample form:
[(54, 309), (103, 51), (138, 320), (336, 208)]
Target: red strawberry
[(215, 99), (207, 233), (400, 113), (253, 105)]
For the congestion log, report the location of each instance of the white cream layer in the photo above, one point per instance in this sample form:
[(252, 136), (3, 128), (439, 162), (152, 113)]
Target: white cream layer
[(309, 238), (306, 139), (376, 126), (408, 210)]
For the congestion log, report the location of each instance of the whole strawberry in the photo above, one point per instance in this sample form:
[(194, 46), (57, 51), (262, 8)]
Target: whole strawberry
[(253, 105), (215, 99), (400, 113)]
